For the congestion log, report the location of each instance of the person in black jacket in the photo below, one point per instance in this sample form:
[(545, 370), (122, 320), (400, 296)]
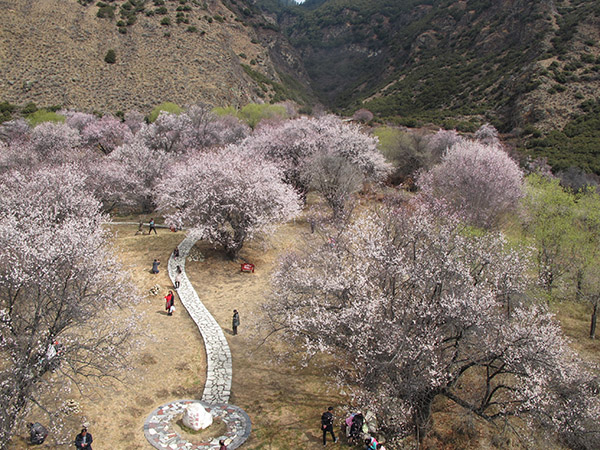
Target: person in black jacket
[(84, 440), (37, 433), (235, 321), (327, 425)]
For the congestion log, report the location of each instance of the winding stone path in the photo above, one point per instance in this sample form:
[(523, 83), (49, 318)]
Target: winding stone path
[(157, 428), (218, 355)]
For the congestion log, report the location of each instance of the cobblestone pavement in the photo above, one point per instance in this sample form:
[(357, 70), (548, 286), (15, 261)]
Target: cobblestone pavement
[(158, 428), (218, 355), (160, 432)]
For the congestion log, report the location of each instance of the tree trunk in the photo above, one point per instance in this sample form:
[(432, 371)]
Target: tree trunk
[(579, 285), (422, 416), (235, 245), (593, 323)]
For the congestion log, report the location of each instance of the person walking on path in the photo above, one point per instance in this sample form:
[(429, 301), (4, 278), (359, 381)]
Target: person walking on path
[(178, 276), (155, 265), (169, 305), (151, 226), (327, 425), (222, 445), (235, 321), (84, 440)]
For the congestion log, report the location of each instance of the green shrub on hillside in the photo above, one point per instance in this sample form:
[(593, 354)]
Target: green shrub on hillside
[(106, 12), (43, 115), (6, 110), (29, 108), (110, 57), (167, 107), (253, 113), (576, 145), (225, 111)]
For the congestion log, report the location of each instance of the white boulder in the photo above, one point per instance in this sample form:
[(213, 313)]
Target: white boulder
[(196, 417)]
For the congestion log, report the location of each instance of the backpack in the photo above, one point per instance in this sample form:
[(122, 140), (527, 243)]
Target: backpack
[(326, 419)]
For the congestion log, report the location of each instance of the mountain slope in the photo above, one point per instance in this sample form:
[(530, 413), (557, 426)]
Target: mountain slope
[(449, 58), (53, 52)]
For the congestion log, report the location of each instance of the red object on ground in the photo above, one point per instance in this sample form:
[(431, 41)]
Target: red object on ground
[(247, 267)]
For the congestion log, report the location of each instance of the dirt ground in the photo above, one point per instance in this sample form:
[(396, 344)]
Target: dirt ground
[(284, 402)]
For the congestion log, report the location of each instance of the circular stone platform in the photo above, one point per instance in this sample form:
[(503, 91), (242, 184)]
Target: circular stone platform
[(160, 431)]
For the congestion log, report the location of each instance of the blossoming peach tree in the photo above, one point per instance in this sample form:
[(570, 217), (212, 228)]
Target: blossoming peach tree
[(59, 283), (413, 305), (226, 196)]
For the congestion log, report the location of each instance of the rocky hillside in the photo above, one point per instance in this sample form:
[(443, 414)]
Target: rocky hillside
[(53, 53), (530, 67), (518, 61)]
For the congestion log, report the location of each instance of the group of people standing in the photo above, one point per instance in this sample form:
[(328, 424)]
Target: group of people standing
[(356, 428)]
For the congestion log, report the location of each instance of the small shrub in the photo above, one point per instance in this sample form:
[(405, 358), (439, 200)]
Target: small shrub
[(587, 58), (106, 12), (43, 115), (29, 108), (191, 29), (122, 30), (6, 110), (253, 113), (161, 10), (219, 18), (110, 57), (167, 107), (165, 21)]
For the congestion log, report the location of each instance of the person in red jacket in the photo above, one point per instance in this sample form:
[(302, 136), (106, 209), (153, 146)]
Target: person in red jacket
[(169, 303)]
